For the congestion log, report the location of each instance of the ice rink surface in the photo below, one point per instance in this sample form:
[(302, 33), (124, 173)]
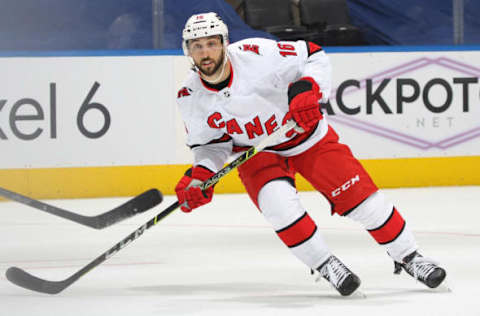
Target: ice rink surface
[(224, 259)]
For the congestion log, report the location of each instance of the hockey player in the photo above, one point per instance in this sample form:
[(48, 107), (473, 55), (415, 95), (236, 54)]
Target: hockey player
[(238, 94)]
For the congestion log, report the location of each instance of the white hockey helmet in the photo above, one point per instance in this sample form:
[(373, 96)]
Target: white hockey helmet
[(202, 25)]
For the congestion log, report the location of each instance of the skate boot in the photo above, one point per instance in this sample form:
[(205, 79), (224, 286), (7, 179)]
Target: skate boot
[(422, 269), (342, 279)]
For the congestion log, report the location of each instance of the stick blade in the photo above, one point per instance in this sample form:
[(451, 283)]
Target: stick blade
[(147, 200), (137, 205), (141, 203), (26, 280)]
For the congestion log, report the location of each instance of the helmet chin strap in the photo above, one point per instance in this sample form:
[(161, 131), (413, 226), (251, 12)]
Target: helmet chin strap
[(218, 79)]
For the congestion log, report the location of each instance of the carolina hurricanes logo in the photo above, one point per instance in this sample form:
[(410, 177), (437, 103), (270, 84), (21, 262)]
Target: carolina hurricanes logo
[(184, 92), (251, 48)]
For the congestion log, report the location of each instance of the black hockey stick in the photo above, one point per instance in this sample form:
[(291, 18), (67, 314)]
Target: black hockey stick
[(138, 204), (26, 280)]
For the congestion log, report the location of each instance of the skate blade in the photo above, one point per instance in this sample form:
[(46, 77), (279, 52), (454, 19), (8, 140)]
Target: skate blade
[(358, 295), (444, 287)]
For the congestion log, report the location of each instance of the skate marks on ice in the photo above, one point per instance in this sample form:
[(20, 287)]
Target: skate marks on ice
[(255, 297), (204, 264)]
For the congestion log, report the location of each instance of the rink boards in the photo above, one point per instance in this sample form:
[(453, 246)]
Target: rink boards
[(94, 124)]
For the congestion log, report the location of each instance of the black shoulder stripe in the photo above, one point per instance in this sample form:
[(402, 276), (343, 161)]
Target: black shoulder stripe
[(225, 138)]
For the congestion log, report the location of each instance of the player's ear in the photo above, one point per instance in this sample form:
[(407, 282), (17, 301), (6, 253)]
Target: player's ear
[(186, 48)]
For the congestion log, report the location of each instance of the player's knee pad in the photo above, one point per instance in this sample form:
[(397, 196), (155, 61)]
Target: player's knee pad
[(373, 211), (280, 204), (379, 217)]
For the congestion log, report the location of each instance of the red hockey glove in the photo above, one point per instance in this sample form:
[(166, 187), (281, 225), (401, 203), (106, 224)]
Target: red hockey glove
[(303, 98), (189, 194)]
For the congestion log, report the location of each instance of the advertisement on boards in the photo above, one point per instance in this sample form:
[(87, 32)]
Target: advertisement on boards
[(82, 111), (86, 111), (407, 104)]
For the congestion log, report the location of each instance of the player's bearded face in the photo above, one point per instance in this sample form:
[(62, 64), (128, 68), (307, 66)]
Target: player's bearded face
[(207, 54), (210, 66)]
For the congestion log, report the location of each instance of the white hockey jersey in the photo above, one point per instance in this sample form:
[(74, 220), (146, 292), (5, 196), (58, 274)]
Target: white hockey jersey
[(255, 101)]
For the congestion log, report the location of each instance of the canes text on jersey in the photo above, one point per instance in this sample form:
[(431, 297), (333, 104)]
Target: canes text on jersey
[(253, 129)]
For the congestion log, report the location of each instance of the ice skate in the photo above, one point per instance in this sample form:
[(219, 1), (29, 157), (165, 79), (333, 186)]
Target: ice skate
[(422, 269), (339, 276)]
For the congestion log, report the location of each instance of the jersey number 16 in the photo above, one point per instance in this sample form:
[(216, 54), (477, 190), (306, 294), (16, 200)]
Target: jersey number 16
[(286, 49)]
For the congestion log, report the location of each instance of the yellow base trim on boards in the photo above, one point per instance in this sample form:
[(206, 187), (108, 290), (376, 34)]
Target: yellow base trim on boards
[(88, 182)]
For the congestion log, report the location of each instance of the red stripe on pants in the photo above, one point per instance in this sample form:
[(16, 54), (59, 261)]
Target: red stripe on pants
[(298, 232), (390, 230)]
